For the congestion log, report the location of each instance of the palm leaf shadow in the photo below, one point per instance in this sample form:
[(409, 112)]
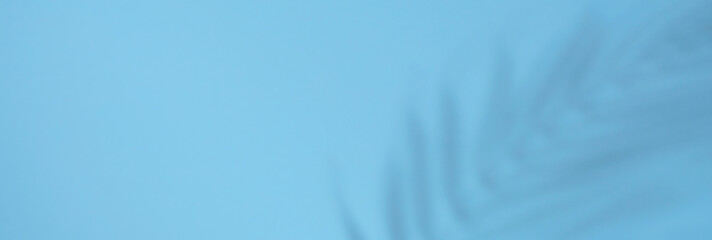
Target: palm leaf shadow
[(518, 119)]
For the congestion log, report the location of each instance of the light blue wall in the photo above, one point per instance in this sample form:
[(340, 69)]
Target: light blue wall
[(226, 119)]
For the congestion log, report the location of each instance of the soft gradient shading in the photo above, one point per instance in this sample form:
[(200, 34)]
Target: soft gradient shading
[(607, 136), (316, 119)]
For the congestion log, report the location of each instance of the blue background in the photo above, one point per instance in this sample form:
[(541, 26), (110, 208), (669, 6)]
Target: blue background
[(226, 119)]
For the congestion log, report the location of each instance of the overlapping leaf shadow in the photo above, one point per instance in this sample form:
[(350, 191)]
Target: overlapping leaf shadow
[(589, 112)]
